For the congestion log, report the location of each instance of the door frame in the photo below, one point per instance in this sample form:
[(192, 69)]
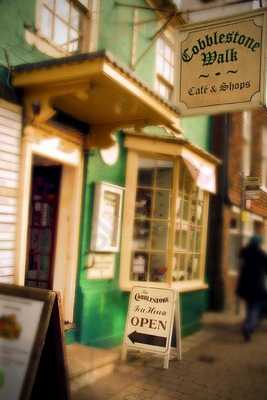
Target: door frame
[(66, 149)]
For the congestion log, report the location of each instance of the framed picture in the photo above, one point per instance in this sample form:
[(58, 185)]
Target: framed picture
[(106, 217)]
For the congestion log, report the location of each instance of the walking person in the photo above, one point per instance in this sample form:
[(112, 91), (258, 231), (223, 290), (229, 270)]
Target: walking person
[(251, 285)]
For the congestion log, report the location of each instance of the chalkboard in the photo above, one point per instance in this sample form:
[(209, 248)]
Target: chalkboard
[(32, 356)]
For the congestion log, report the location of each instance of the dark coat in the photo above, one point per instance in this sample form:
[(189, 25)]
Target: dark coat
[(251, 282)]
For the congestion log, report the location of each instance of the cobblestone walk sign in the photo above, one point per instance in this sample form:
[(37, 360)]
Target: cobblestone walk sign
[(150, 322)]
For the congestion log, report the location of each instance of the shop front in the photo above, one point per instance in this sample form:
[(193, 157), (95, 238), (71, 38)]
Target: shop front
[(71, 106)]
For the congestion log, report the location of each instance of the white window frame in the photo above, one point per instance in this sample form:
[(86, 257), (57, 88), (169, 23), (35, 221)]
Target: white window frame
[(128, 225), (89, 43), (160, 78)]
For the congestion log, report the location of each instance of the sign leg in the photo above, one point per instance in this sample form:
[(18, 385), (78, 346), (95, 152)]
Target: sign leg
[(124, 353), (166, 361), (177, 319)]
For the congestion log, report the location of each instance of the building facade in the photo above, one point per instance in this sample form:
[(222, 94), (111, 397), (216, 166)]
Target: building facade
[(107, 187), (239, 139)]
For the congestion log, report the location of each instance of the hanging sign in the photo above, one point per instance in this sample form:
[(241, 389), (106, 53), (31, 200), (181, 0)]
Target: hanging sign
[(252, 187), (222, 65), (32, 363), (150, 321)]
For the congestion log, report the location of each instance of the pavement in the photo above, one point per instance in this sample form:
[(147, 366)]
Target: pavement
[(216, 364)]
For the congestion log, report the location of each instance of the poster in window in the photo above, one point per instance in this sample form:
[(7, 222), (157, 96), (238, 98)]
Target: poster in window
[(106, 217)]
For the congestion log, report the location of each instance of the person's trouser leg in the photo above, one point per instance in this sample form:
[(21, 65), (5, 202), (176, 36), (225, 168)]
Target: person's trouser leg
[(252, 318)]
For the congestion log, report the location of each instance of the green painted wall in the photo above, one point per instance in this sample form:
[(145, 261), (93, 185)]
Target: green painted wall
[(100, 306), (15, 15), (100, 309), (116, 34), (198, 130)]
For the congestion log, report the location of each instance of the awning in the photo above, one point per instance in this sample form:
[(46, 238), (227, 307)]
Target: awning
[(201, 170), (95, 89)]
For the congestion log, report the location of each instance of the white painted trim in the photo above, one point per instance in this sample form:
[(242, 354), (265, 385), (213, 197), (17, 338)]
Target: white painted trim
[(66, 257)]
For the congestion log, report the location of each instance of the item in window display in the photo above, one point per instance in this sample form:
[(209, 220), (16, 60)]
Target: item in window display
[(143, 203), (139, 264)]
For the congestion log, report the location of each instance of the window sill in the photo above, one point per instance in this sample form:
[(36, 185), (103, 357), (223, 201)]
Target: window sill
[(182, 287), (43, 45)]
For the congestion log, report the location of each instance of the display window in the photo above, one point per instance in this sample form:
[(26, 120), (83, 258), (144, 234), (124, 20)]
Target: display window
[(164, 236)]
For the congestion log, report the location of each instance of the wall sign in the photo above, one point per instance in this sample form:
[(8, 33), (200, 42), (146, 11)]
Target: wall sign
[(222, 65), (101, 266), (150, 321), (106, 217), (32, 363)]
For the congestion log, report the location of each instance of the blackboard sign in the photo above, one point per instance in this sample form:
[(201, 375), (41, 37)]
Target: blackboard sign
[(32, 359)]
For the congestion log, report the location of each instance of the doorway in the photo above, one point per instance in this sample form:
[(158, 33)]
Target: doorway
[(42, 229)]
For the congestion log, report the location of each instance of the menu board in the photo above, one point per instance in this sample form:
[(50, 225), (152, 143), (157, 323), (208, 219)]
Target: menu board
[(32, 354), (19, 321)]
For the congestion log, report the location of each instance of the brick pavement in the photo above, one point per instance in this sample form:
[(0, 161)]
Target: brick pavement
[(216, 364)]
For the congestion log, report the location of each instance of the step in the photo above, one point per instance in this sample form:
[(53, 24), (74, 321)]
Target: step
[(87, 364)]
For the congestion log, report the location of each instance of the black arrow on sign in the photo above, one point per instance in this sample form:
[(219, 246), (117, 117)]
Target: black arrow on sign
[(137, 337)]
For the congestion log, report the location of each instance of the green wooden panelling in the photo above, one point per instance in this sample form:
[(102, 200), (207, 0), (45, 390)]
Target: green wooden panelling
[(198, 130), (193, 305)]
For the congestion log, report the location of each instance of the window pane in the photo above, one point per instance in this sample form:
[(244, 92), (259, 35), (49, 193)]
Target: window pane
[(63, 9), (159, 236), (74, 41), (139, 267), (141, 235), (164, 177), (46, 22), (158, 268), (145, 176), (75, 18), (61, 32), (162, 200), (143, 203)]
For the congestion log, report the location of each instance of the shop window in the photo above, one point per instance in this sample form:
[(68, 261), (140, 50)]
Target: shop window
[(168, 225), (63, 22), (164, 68), (151, 221), (188, 228)]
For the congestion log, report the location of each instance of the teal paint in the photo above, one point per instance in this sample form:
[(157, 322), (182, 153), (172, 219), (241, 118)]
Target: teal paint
[(198, 130)]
